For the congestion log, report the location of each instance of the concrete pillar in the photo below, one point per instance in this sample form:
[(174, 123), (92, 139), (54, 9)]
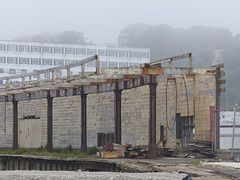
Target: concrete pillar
[(83, 122), (49, 122), (117, 114), (15, 123), (152, 119)]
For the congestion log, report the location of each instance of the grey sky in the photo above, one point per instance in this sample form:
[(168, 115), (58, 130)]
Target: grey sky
[(102, 20)]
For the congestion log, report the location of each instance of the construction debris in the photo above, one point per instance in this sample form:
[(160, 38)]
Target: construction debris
[(198, 149), (112, 150)]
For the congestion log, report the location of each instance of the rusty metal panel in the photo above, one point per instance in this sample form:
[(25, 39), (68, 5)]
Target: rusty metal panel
[(112, 154)]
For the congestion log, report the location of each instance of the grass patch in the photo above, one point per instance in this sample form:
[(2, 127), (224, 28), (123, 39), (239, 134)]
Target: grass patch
[(195, 163), (57, 152)]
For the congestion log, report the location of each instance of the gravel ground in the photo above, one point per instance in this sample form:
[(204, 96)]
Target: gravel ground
[(62, 175)]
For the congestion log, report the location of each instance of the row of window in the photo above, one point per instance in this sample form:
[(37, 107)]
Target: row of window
[(75, 51), (59, 62), (24, 71)]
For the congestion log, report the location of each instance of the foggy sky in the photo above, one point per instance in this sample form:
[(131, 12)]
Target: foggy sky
[(102, 20)]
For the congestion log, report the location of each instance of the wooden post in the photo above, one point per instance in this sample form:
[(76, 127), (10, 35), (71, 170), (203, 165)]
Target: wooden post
[(15, 123), (83, 121), (117, 114), (49, 122), (152, 119)]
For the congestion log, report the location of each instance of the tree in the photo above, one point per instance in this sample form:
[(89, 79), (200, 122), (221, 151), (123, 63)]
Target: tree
[(66, 37)]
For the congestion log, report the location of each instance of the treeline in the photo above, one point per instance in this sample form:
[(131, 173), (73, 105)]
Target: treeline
[(165, 41)]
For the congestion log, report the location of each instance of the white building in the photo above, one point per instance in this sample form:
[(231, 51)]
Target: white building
[(18, 57)]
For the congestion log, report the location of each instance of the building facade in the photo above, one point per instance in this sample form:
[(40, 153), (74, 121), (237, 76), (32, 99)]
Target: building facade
[(17, 57)]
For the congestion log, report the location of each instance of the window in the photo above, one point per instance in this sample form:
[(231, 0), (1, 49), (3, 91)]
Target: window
[(113, 53), (58, 62), (102, 52), (91, 52), (36, 49), (133, 64), (12, 71), (47, 75), (69, 61), (103, 64), (1, 70), (123, 53), (69, 51), (23, 48), (123, 64), (47, 62), (81, 51), (46, 49), (133, 54), (58, 50), (23, 71), (36, 61), (91, 64), (143, 54), (35, 76), (12, 60), (2, 47), (113, 64), (2, 60), (58, 73), (23, 60), (12, 47)]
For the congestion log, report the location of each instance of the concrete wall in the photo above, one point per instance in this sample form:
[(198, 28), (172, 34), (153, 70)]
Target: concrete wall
[(100, 114)]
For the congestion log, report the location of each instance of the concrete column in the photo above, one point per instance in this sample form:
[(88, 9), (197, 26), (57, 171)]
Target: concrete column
[(152, 119), (117, 114), (49, 122), (83, 122), (15, 123)]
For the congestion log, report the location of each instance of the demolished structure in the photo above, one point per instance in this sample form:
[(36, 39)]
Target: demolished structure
[(147, 104)]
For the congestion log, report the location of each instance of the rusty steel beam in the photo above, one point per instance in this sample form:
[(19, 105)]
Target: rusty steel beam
[(83, 121), (117, 114), (218, 94), (15, 123), (152, 118), (49, 121)]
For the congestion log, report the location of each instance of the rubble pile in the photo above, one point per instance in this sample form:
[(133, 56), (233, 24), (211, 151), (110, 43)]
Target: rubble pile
[(112, 150), (199, 149)]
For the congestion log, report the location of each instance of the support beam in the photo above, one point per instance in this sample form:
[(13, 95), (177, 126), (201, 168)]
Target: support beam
[(83, 121), (49, 122), (15, 123), (117, 114), (152, 119), (217, 118)]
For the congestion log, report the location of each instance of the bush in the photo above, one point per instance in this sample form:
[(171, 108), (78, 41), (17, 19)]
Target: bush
[(68, 149), (40, 149), (21, 151), (57, 150), (92, 150)]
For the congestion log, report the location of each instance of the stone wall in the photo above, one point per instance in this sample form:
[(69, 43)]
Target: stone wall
[(187, 95)]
